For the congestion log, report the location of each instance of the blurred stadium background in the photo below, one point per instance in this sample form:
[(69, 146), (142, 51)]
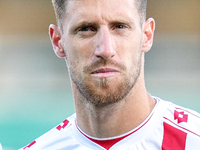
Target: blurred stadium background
[(35, 92)]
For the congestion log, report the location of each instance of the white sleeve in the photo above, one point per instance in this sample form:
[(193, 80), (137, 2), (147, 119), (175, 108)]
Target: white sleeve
[(1, 147)]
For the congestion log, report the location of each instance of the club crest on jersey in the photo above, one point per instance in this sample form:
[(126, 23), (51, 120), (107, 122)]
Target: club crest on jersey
[(180, 116)]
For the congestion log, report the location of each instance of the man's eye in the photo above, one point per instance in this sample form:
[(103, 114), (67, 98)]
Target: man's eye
[(85, 29), (120, 26)]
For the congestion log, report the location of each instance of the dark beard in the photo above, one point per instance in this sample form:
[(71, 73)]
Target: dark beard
[(98, 97)]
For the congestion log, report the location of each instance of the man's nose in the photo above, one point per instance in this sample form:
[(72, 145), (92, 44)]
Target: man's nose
[(104, 46)]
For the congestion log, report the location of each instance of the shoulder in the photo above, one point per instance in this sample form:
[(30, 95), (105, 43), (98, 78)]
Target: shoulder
[(183, 119), (180, 127), (55, 135)]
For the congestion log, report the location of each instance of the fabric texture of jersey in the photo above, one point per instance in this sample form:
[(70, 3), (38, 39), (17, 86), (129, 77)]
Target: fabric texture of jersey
[(168, 127)]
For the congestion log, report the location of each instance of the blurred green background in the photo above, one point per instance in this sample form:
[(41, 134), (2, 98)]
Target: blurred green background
[(35, 93)]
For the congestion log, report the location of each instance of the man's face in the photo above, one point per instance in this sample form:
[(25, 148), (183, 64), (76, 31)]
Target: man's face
[(102, 41)]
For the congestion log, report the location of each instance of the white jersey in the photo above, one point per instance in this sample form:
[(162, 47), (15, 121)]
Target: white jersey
[(168, 127)]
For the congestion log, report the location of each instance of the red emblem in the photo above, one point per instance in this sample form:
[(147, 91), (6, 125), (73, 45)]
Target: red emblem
[(65, 123), (180, 116)]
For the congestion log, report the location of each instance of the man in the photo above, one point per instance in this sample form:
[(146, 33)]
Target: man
[(103, 43)]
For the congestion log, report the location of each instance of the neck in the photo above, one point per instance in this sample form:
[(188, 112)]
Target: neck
[(115, 119)]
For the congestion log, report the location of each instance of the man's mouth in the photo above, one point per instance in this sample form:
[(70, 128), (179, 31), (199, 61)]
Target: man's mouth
[(104, 73)]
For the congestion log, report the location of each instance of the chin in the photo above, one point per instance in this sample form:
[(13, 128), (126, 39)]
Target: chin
[(106, 93)]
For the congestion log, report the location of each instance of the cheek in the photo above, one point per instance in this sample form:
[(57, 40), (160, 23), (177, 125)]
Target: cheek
[(77, 53), (83, 50), (128, 51), (131, 56)]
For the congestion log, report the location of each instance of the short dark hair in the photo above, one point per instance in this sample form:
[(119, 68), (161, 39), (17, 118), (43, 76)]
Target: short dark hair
[(141, 6), (60, 10)]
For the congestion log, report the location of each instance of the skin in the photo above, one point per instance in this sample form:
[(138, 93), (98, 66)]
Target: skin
[(104, 51)]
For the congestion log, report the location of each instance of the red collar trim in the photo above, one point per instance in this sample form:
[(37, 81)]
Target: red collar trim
[(107, 144)]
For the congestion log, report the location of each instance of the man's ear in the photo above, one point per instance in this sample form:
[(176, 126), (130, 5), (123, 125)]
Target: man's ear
[(55, 37), (148, 32)]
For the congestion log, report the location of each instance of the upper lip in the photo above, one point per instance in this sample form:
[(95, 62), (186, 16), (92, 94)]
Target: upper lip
[(104, 70)]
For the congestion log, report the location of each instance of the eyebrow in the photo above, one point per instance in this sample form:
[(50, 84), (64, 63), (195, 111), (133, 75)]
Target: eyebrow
[(120, 21), (82, 24), (95, 24)]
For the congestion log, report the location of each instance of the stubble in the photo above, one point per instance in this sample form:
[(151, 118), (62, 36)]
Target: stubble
[(104, 91)]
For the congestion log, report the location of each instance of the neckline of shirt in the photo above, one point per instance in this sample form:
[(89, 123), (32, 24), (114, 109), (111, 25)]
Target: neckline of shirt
[(107, 143)]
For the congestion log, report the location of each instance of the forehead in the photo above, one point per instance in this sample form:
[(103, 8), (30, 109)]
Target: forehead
[(104, 9), (102, 3)]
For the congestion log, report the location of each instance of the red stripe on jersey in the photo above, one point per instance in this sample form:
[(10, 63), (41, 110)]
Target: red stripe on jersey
[(31, 144), (183, 127), (174, 139)]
